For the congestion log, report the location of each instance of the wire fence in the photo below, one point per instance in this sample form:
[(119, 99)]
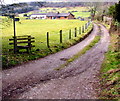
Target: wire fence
[(64, 35), (51, 39)]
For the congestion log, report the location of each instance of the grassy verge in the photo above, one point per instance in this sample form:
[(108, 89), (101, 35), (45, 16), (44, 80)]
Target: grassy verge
[(110, 71), (9, 60), (83, 51)]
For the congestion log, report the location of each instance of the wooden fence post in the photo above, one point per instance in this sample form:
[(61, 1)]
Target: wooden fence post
[(82, 29), (15, 44), (60, 36), (48, 40), (86, 25), (70, 34), (29, 44), (79, 30), (75, 32)]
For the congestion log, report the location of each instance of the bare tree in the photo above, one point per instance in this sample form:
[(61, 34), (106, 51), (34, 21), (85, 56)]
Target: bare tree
[(95, 7)]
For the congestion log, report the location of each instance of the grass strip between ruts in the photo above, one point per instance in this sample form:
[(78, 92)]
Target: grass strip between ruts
[(83, 51)]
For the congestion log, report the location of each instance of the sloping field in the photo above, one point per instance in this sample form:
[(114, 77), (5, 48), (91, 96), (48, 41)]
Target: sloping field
[(38, 29)]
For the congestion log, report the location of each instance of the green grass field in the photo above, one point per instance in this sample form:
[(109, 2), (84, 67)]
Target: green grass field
[(81, 14), (38, 29), (63, 9)]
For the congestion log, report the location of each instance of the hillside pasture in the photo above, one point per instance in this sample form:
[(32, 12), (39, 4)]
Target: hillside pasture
[(81, 14), (64, 9), (38, 29)]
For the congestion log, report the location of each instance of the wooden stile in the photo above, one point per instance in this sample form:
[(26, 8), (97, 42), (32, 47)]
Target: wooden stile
[(22, 40)]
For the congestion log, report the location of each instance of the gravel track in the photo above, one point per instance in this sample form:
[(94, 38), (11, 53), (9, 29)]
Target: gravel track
[(77, 80), (38, 78)]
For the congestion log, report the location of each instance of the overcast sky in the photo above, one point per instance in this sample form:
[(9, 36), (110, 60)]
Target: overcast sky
[(17, 1)]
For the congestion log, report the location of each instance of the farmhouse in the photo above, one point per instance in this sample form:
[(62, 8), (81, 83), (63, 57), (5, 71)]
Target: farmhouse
[(60, 16), (65, 16), (52, 15), (38, 16)]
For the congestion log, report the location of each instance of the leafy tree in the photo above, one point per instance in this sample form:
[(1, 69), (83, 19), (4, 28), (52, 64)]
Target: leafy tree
[(111, 10), (114, 11), (117, 13)]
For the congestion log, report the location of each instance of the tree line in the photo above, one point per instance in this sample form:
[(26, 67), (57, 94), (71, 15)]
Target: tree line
[(31, 6), (114, 11)]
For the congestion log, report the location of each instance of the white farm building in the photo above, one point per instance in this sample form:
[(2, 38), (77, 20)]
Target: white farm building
[(38, 16)]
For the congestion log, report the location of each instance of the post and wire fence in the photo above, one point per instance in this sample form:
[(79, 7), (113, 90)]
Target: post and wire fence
[(52, 39), (67, 34)]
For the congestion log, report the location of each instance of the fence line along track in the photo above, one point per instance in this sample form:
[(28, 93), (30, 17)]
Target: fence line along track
[(64, 35)]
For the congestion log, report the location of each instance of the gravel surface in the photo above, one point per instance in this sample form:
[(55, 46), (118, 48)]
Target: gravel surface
[(77, 80), (40, 80)]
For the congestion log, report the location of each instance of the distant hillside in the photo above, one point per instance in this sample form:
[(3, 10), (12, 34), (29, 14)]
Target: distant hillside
[(31, 6)]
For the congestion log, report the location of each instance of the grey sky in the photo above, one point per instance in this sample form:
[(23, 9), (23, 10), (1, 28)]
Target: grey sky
[(17, 1)]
